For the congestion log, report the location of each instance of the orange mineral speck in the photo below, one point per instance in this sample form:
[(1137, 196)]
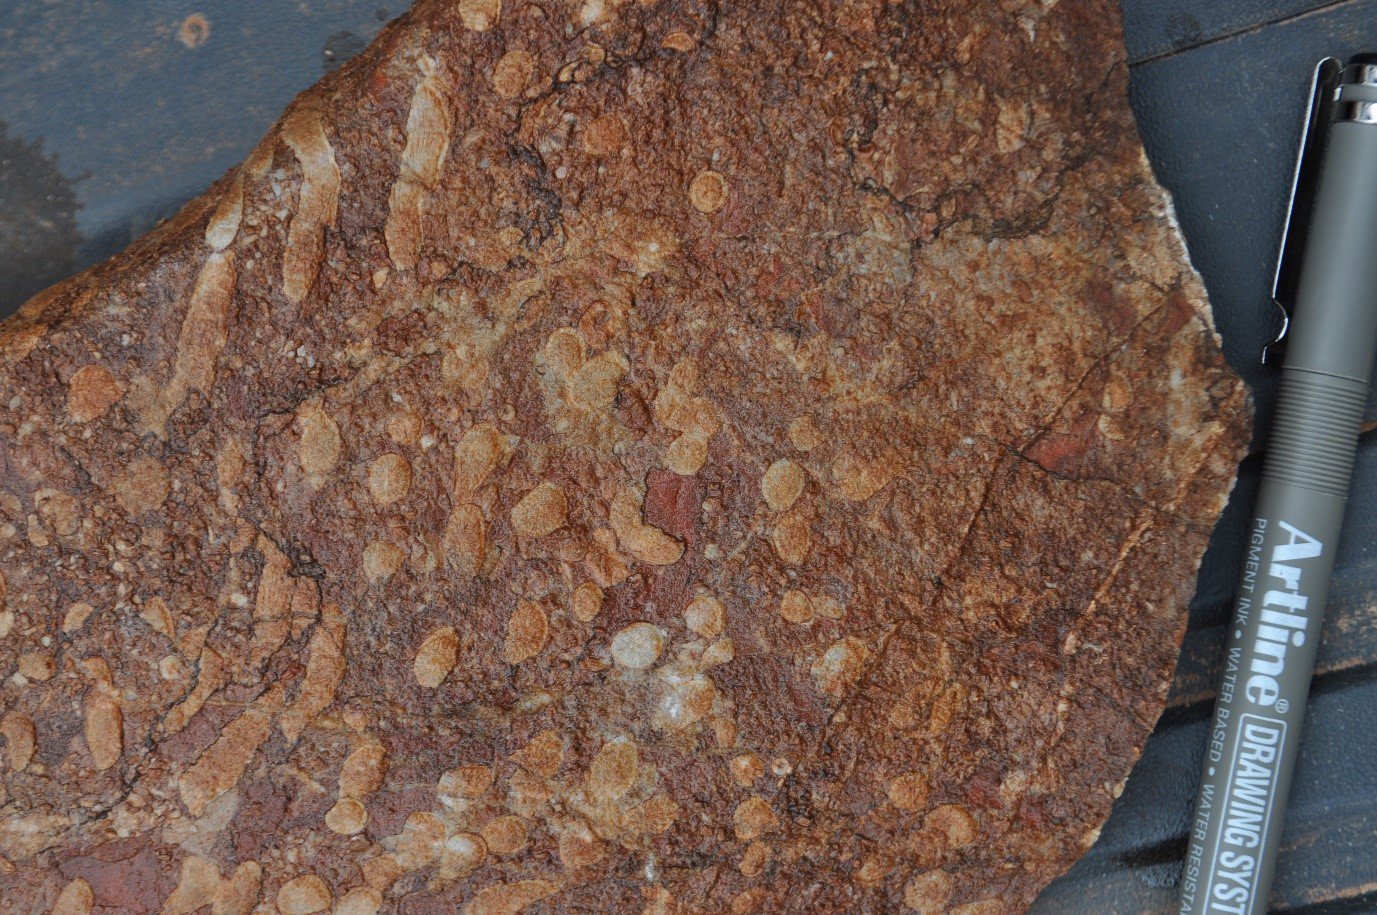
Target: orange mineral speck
[(527, 631), (658, 901), (348, 817), (840, 666), (75, 617), (748, 902), (873, 870), (460, 854), (303, 895), (465, 539), (706, 616), (908, 791), (158, 615), (436, 657), (586, 602), (104, 728), (860, 478), (792, 537), (757, 855), (319, 448), (680, 41), (20, 739), (194, 31), (687, 454), (753, 818), (708, 192), (646, 542), (804, 434), (363, 771), (142, 486), (720, 652), (509, 898), (405, 427), (37, 665), (953, 824), (76, 898), (796, 607), (614, 769), (466, 781), (928, 892), (565, 352), (543, 755), (579, 846), (389, 478), (604, 136), (363, 900), (686, 698), (381, 561), (512, 73), (91, 392), (541, 511), (220, 767), (782, 484), (421, 839), (480, 451), (303, 130), (58, 510), (593, 388), (638, 646), (505, 835), (199, 880), (657, 814), (746, 769), (480, 15)]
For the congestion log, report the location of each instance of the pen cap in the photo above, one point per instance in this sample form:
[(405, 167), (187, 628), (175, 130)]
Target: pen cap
[(1335, 331), (1358, 84)]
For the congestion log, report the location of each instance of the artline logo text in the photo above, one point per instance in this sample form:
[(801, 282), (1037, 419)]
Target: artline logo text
[(1280, 622)]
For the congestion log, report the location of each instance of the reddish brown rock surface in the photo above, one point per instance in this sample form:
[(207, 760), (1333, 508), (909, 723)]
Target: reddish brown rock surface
[(616, 456)]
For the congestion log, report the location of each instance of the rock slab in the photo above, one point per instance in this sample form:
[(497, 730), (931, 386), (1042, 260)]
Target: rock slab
[(617, 456)]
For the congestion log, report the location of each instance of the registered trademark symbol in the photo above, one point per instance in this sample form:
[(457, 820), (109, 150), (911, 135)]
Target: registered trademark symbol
[(1283, 705)]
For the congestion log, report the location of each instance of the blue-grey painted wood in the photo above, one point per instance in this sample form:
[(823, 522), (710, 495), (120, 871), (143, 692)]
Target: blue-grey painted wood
[(142, 105), (1156, 28), (1220, 122), (1328, 851)]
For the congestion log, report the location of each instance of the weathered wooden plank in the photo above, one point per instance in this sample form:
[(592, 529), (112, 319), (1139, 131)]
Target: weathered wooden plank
[(1331, 827), (130, 109), (1318, 868), (1122, 892), (1349, 639), (1154, 28), (1220, 124)]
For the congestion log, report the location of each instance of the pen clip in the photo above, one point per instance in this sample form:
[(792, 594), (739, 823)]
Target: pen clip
[(1319, 112)]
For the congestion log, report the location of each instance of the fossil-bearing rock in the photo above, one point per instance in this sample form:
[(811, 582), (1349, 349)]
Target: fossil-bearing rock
[(617, 456)]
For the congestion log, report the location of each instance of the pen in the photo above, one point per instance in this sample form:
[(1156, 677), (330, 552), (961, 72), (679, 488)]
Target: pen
[(1326, 285)]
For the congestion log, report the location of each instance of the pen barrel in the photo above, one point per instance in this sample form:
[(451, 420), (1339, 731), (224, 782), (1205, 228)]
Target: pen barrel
[(1314, 434), (1335, 326), (1269, 655), (1255, 732)]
